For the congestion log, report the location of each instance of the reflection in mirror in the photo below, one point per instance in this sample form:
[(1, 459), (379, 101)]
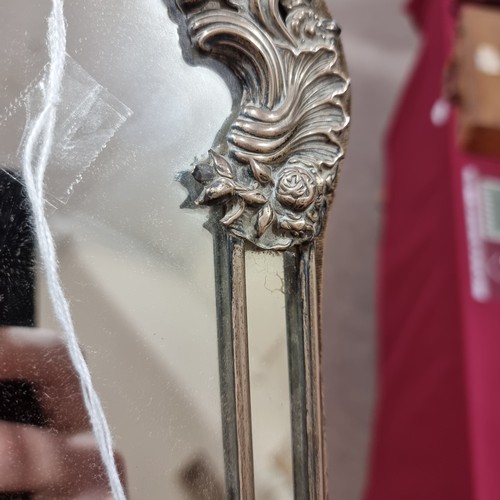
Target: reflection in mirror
[(267, 344), (137, 268)]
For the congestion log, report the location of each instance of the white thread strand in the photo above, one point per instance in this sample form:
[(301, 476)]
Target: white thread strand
[(35, 159)]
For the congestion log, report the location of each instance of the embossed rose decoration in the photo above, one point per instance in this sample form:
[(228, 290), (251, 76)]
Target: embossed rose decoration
[(296, 188), (273, 175), (283, 203)]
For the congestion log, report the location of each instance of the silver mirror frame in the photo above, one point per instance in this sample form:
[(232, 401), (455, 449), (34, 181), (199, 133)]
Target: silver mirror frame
[(270, 181)]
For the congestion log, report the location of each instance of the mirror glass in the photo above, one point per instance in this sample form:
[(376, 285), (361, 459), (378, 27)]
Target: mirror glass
[(269, 386), (137, 269)]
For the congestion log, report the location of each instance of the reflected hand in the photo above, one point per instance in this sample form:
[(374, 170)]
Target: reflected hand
[(59, 461)]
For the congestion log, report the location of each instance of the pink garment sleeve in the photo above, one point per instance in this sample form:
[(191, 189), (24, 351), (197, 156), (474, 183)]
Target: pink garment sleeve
[(437, 424)]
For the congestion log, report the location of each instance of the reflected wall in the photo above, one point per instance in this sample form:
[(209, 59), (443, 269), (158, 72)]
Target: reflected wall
[(137, 268)]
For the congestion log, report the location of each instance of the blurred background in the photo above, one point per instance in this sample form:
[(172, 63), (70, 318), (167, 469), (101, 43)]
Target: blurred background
[(413, 259), (380, 45)]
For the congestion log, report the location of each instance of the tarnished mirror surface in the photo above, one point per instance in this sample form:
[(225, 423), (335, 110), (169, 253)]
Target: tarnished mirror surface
[(138, 269)]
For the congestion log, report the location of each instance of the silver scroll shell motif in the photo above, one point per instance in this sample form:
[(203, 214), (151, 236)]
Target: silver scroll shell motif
[(276, 170)]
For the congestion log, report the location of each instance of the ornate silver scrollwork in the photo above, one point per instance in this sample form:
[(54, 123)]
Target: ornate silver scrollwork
[(276, 170)]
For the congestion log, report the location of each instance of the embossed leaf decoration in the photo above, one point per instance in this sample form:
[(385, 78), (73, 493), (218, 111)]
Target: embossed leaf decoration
[(261, 173), (293, 225), (264, 220), (253, 197), (294, 112), (296, 225), (234, 213), (221, 165), (218, 189), (203, 173)]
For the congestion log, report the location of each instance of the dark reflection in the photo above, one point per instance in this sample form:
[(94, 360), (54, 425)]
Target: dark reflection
[(17, 397), (201, 481), (56, 456), (18, 402), (16, 254), (45, 443)]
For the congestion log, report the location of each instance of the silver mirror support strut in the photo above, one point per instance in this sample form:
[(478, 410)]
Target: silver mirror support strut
[(233, 364), (272, 174), (304, 358)]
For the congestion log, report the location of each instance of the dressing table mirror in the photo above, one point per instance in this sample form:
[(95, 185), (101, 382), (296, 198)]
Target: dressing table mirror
[(194, 159)]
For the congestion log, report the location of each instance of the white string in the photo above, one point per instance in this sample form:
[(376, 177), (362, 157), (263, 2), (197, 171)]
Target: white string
[(35, 159)]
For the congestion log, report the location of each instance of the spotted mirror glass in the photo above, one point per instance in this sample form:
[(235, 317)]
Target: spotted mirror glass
[(137, 269)]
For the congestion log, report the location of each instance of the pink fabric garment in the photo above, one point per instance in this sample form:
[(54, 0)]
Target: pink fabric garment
[(437, 428)]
